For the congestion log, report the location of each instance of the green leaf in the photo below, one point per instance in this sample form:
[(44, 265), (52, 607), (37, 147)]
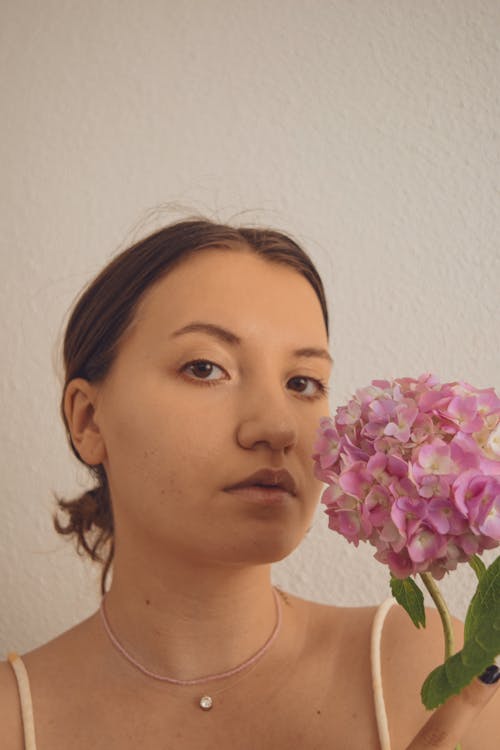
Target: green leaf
[(481, 643), (478, 624), (407, 593), (477, 566)]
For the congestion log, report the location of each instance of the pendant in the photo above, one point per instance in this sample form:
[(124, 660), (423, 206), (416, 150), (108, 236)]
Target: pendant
[(206, 703)]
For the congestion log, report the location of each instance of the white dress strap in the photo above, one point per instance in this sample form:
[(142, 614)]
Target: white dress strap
[(23, 686), (376, 666)]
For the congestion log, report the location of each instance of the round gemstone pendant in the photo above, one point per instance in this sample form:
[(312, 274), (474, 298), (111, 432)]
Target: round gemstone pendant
[(206, 703)]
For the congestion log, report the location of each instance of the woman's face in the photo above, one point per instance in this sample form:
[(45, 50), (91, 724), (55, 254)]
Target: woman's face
[(176, 434)]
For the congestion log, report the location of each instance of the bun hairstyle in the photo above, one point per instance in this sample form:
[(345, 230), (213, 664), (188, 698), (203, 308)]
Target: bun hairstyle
[(102, 314)]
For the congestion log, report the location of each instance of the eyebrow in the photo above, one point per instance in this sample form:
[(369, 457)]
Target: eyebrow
[(228, 337)]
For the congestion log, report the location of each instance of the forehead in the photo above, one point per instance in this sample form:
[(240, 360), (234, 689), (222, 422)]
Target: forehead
[(238, 289)]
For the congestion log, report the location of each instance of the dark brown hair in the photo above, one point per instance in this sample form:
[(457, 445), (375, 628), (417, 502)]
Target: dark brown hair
[(104, 311)]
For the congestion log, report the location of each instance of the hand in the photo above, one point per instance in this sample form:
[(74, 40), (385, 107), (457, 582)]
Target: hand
[(449, 722)]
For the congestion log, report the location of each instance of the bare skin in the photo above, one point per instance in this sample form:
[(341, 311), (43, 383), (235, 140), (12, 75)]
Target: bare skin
[(191, 592), (312, 690)]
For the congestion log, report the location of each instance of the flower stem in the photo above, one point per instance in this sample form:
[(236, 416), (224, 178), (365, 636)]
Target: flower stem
[(438, 599), (432, 587)]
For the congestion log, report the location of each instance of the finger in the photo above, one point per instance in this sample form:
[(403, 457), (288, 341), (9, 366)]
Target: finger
[(450, 722)]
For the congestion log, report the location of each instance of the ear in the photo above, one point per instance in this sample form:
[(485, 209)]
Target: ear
[(80, 401)]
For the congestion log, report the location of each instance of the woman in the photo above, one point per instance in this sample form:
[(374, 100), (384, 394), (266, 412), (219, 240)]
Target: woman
[(195, 359)]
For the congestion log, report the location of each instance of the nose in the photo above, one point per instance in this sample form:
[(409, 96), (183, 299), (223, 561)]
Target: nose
[(267, 416)]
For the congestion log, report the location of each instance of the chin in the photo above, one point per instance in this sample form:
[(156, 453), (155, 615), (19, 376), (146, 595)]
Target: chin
[(266, 549)]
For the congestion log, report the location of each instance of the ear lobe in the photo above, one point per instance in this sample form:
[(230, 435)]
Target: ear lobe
[(79, 409)]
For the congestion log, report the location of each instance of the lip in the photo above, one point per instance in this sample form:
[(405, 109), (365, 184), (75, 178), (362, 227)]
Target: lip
[(262, 495), (278, 479)]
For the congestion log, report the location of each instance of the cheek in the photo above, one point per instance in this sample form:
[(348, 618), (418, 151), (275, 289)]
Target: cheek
[(164, 449), (308, 437), (136, 439)]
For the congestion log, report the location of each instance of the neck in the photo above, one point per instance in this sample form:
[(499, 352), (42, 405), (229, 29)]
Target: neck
[(191, 621)]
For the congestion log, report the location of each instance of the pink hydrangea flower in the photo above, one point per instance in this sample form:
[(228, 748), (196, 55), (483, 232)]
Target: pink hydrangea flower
[(413, 468)]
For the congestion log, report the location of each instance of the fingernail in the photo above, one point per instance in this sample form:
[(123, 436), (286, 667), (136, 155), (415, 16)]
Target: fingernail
[(490, 675)]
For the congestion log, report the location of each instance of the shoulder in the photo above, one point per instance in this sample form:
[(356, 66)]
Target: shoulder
[(330, 628), (408, 655), (11, 729), (58, 662), (404, 643), (327, 623)]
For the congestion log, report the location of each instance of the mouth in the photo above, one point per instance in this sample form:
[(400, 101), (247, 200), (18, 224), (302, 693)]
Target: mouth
[(262, 494), (270, 480)]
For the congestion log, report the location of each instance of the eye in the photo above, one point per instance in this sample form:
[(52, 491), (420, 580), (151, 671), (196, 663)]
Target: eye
[(201, 365), (205, 366), (321, 388)]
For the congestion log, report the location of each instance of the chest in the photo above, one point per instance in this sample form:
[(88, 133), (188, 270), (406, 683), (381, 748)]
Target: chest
[(323, 702), (290, 722)]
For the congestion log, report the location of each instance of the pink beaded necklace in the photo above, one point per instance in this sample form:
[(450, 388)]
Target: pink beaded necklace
[(206, 701)]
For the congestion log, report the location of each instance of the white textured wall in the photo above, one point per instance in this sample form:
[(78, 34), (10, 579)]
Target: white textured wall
[(368, 128)]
